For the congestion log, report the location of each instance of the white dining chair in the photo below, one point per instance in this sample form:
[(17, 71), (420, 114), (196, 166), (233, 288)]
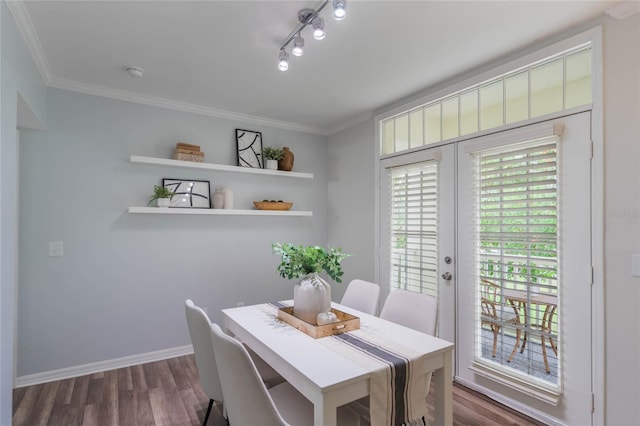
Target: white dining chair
[(362, 295), (411, 309), (249, 402), (200, 331)]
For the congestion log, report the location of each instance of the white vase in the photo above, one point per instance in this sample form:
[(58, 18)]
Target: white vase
[(218, 199), (228, 197), (311, 296), (272, 164), (163, 202)]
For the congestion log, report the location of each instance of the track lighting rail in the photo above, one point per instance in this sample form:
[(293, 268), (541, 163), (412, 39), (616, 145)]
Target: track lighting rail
[(305, 16), (308, 17)]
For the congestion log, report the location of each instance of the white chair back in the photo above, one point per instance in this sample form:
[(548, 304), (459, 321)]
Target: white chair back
[(362, 295), (200, 331), (413, 310), (247, 400)]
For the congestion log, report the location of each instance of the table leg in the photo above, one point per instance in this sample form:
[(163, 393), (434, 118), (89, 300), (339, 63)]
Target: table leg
[(325, 414), (444, 392)]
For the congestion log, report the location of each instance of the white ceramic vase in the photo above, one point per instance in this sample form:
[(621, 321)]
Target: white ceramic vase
[(163, 202), (272, 164), (311, 296)]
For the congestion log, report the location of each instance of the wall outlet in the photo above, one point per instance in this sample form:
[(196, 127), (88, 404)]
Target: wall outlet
[(56, 248)]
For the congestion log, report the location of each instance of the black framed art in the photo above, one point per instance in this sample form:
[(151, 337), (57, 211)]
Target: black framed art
[(192, 194), (249, 148)]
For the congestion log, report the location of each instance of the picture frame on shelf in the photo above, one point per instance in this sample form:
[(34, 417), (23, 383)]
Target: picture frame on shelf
[(249, 145), (189, 193)]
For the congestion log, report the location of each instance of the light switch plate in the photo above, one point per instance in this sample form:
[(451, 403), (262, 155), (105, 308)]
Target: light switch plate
[(56, 248), (635, 265)]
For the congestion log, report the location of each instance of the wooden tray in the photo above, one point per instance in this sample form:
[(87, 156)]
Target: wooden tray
[(346, 322), (272, 205)]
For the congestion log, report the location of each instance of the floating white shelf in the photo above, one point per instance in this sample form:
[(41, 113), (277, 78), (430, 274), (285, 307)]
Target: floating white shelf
[(219, 167), (229, 212)]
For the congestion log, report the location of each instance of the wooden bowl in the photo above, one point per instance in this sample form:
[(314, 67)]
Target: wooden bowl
[(272, 205)]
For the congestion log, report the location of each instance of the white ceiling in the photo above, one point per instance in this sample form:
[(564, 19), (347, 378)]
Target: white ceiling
[(219, 57)]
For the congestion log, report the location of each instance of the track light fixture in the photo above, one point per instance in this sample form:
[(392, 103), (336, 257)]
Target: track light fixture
[(318, 28), (309, 17), (298, 45), (339, 9), (283, 63)]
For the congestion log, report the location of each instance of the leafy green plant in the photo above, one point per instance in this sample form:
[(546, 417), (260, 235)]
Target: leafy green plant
[(271, 153), (298, 261), (160, 192)]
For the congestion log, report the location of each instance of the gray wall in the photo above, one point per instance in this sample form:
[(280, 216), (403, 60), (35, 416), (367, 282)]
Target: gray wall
[(351, 173), (19, 78), (120, 287)]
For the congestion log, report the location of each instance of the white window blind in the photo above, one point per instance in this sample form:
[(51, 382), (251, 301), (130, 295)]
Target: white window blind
[(414, 237), (516, 245)]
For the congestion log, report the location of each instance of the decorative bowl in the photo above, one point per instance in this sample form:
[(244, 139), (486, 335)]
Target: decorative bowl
[(272, 205)]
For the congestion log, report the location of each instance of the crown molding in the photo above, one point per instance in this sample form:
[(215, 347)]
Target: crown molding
[(623, 10), (123, 95), (30, 37), (25, 27)]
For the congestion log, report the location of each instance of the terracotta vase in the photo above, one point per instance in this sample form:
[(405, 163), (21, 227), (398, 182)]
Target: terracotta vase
[(311, 296), (286, 163)]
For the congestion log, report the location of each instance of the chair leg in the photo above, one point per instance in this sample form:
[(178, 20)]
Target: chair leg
[(495, 330), (515, 347), (206, 416), (553, 346), (544, 355)]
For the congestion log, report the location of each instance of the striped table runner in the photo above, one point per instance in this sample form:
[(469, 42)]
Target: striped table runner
[(399, 379)]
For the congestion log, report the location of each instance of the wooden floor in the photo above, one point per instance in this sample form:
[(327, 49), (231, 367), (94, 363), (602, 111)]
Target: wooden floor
[(168, 393)]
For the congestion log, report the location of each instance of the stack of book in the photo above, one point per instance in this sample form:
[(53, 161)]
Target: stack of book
[(188, 152)]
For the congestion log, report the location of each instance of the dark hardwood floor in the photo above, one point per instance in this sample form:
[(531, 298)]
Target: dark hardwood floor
[(168, 393)]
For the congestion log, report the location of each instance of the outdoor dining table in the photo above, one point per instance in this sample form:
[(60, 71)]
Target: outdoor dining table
[(520, 301), (338, 369)]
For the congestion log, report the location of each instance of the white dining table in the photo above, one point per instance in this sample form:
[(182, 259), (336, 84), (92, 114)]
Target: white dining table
[(325, 377)]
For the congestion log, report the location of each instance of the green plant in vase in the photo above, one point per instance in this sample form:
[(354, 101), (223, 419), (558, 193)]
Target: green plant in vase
[(161, 195), (272, 155), (311, 294)]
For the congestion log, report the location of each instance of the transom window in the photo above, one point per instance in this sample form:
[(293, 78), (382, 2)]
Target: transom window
[(557, 83)]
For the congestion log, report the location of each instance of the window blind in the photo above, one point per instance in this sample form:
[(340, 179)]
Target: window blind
[(414, 236), (516, 245)]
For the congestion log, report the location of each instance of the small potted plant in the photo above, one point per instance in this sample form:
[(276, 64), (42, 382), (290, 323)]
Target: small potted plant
[(272, 155), (161, 195), (311, 295)]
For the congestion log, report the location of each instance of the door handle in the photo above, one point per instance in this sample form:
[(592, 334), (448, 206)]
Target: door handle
[(446, 276)]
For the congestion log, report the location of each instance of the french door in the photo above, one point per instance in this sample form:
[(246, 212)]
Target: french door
[(524, 268), (498, 228), (417, 230)]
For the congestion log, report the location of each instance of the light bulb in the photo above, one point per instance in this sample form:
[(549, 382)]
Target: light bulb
[(298, 44), (318, 28), (339, 9), (283, 63)]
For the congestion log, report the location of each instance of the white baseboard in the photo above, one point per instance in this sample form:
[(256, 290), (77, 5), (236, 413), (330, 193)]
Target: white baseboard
[(96, 367), (511, 403)]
